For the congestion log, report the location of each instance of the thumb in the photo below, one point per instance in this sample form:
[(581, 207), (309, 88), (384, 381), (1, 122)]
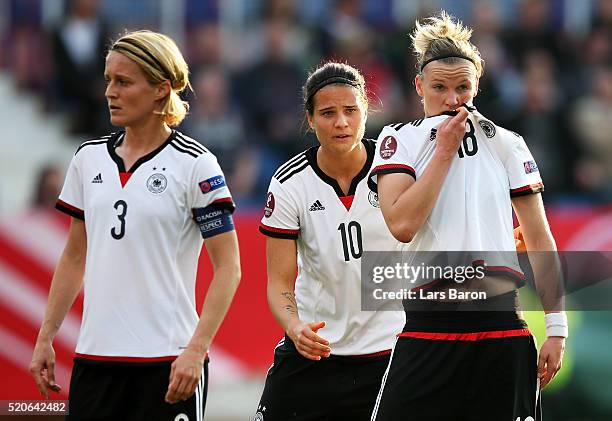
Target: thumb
[(462, 114), (315, 326)]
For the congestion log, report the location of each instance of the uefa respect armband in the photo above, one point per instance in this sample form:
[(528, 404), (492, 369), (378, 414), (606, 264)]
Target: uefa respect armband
[(213, 220)]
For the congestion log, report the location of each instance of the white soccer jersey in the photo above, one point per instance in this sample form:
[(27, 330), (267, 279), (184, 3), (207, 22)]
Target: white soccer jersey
[(474, 210), (142, 244), (332, 231)]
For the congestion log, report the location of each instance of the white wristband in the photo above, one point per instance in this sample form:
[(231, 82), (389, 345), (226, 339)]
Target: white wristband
[(556, 324)]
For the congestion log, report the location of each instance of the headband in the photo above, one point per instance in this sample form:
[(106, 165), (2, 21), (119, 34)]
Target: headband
[(329, 81), (426, 62), (147, 57)]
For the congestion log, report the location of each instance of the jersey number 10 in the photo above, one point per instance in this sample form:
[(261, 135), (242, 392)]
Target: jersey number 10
[(351, 240)]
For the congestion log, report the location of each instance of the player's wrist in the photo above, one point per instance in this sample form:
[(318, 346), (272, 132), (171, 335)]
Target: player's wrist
[(556, 324)]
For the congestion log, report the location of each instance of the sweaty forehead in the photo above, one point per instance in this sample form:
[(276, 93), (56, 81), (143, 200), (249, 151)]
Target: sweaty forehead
[(450, 72)]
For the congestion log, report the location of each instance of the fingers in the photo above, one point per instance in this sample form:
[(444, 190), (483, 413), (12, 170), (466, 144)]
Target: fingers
[(182, 385)]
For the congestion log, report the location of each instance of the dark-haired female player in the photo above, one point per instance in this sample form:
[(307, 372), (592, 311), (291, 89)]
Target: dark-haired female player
[(320, 217)]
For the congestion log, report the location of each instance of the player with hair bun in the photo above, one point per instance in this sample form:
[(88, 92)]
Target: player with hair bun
[(449, 182), (319, 218), (143, 200)]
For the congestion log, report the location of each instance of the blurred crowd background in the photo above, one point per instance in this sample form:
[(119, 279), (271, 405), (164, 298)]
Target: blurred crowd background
[(548, 73), (548, 76)]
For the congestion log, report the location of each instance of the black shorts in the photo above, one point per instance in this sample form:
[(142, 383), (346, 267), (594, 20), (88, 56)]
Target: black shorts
[(332, 389), (129, 391), (466, 375)]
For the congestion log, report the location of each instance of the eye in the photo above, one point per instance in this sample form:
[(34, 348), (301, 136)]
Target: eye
[(327, 113), (123, 82), (351, 110), (438, 87), (464, 88)]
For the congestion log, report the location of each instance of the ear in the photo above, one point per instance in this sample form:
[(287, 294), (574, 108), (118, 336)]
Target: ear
[(310, 121), (476, 87), (418, 83), (162, 90)]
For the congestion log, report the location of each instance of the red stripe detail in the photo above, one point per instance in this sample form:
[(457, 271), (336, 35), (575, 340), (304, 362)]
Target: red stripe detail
[(223, 200), (474, 336), (124, 177), (280, 230), (372, 355), (533, 187), (69, 206), (505, 269), (347, 201), (124, 359), (393, 166)]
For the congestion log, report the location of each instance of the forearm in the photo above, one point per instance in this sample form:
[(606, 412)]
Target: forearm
[(216, 304), (283, 305), (65, 286)]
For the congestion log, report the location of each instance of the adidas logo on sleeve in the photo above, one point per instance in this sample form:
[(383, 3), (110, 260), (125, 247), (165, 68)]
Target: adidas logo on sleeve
[(316, 206), (97, 178)]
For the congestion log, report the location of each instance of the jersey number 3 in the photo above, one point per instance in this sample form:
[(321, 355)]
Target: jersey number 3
[(118, 233), (351, 240)]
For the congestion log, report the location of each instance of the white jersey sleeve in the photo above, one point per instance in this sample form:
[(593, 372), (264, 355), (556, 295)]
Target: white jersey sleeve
[(281, 218), (71, 199), (392, 156), (208, 184), (523, 173)]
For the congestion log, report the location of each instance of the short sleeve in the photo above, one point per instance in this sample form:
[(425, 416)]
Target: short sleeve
[(207, 186), (281, 218), (70, 200), (392, 156), (523, 173)]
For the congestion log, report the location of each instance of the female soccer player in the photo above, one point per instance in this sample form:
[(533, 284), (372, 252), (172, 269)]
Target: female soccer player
[(141, 201), (448, 182), (320, 217)]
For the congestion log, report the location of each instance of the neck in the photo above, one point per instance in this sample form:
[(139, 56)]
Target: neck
[(146, 137), (342, 165)]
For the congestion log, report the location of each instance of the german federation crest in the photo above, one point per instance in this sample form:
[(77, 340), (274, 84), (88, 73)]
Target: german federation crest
[(373, 198), (157, 183), (487, 127)]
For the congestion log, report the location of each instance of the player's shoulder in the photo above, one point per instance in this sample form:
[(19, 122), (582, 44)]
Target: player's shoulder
[(96, 143), (290, 170), (494, 131), (189, 148)]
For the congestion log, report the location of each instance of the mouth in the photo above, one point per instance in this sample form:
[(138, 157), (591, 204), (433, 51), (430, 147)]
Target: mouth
[(342, 136), (113, 108)]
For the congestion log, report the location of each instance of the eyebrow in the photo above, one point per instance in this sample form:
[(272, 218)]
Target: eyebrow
[(331, 107)]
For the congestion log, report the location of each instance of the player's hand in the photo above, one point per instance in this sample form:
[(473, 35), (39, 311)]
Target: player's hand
[(551, 358), (306, 340), (185, 374), (42, 368), (450, 134), (519, 242)]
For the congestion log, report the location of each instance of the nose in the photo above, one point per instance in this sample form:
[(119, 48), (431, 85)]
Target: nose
[(342, 120), (453, 100), (110, 91)]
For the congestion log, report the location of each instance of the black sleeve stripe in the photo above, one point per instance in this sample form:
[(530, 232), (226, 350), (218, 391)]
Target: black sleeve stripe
[(393, 170), (178, 148), (295, 171), (283, 235), (72, 211), (526, 190), (90, 143), (198, 151), (191, 142), (289, 164), (399, 126)]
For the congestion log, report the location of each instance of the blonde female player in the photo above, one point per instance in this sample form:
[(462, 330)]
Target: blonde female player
[(448, 182), (319, 218), (141, 201)]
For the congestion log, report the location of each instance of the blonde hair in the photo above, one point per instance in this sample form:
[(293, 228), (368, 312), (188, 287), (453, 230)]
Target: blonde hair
[(160, 59), (444, 37)]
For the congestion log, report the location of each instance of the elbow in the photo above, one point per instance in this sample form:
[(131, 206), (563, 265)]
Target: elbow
[(402, 232)]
